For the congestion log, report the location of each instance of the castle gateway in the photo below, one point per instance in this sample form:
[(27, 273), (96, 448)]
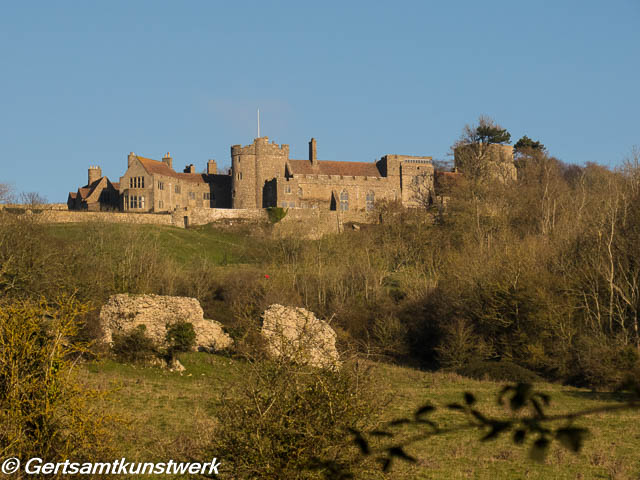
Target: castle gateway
[(262, 175)]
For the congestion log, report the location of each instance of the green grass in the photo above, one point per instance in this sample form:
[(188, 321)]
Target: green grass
[(167, 412), (207, 242)]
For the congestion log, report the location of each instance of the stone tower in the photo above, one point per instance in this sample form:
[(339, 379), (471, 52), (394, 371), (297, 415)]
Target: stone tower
[(252, 166), (95, 173)]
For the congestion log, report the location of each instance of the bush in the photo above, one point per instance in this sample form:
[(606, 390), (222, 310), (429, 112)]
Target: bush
[(44, 411), (290, 422), (503, 371), (180, 336), (134, 346), (276, 214)]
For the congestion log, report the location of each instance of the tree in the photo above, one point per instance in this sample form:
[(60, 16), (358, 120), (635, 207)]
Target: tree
[(481, 150), (526, 145), (32, 198), (6, 193)]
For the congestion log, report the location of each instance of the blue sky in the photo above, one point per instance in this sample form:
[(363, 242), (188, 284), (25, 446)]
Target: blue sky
[(85, 83)]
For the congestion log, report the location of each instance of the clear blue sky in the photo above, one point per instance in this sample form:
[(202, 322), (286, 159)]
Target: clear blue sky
[(84, 83)]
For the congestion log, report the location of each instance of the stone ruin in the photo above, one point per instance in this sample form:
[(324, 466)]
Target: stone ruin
[(295, 334), (124, 312)]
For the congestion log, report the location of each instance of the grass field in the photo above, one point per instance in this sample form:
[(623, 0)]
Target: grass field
[(206, 242), (166, 414)]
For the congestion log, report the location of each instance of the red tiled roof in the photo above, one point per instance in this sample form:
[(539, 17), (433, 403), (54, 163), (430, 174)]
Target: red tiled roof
[(330, 167), (161, 168)]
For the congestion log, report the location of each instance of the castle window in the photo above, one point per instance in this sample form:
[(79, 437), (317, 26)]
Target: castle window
[(142, 183), (160, 185), (344, 201), (160, 204), (370, 201), (142, 198), (206, 196), (177, 189), (287, 189)]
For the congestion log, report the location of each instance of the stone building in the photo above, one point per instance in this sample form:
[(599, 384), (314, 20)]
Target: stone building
[(98, 194), (154, 186), (262, 175)]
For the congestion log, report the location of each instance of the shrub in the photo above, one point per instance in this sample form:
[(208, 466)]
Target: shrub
[(44, 411), (180, 336), (284, 421), (502, 371), (134, 346), (276, 214)]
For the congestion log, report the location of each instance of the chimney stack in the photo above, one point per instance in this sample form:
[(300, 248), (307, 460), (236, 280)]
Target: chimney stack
[(313, 153), (130, 159), (212, 168), (190, 169), (95, 173), (168, 160)]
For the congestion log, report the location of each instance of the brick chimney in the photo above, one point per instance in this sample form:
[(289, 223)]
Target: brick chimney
[(168, 160), (212, 168), (95, 173), (313, 153), (190, 169)]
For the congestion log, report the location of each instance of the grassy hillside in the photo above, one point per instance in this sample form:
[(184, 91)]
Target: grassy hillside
[(167, 414), (206, 242)]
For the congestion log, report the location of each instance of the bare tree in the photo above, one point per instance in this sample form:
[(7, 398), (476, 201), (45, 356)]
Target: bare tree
[(6, 193), (32, 198)]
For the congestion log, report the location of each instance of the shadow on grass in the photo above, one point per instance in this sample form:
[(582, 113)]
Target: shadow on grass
[(620, 397)]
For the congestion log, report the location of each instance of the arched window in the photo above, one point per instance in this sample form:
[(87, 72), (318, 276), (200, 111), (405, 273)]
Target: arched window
[(344, 201), (371, 198)]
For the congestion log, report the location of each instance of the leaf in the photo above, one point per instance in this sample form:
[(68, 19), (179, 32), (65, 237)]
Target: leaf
[(537, 407), (539, 449), (423, 410), (400, 453), (399, 421), (572, 438), (521, 395), (496, 429), (469, 399), (479, 416), (361, 442), (519, 436)]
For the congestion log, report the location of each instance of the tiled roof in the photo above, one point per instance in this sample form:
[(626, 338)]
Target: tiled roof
[(73, 195), (329, 167), (116, 185), (84, 192), (161, 168)]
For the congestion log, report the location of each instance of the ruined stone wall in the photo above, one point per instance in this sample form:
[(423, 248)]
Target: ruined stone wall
[(202, 216), (40, 206), (315, 223), (55, 216)]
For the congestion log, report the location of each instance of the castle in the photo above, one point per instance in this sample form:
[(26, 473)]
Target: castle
[(262, 175)]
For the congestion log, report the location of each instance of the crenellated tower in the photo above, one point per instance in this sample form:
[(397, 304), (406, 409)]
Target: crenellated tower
[(252, 166)]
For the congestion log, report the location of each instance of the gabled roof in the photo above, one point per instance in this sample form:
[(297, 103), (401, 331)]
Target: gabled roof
[(161, 168), (330, 167), (73, 195)]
